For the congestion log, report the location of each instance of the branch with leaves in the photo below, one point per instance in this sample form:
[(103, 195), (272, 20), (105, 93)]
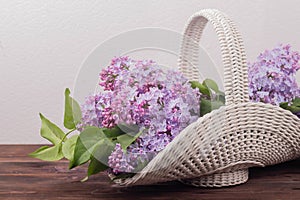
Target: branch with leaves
[(93, 144), (211, 96)]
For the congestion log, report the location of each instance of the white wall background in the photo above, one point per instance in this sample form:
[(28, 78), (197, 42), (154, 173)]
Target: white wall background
[(43, 43)]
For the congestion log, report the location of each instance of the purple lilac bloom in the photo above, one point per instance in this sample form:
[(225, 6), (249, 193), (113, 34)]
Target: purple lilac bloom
[(119, 161), (272, 78), (97, 111), (109, 75), (160, 102), (161, 106)]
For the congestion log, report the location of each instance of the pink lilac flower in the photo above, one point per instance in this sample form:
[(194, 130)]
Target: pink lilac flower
[(118, 161), (121, 162), (160, 102), (97, 111), (108, 76), (272, 77)]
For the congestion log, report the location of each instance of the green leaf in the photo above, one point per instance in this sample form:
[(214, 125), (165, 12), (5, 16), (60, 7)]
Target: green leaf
[(129, 129), (47, 153), (113, 132), (68, 147), (126, 139), (99, 158), (293, 109), (88, 139), (72, 114), (296, 102), (211, 84), (202, 88), (41, 149), (284, 105), (50, 131), (96, 167), (55, 135), (206, 106)]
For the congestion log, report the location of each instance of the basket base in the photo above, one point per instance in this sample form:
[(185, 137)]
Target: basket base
[(220, 180)]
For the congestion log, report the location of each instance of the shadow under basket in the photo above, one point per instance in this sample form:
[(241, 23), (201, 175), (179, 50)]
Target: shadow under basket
[(218, 148)]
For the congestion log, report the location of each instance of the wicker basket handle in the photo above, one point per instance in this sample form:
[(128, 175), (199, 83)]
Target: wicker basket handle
[(232, 49)]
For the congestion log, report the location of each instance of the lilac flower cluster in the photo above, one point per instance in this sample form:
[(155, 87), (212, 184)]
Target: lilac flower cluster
[(109, 75), (160, 102), (97, 111), (131, 161), (272, 76), (119, 161)]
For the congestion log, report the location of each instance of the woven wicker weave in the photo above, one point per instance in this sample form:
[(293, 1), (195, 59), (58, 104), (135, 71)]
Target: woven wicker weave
[(218, 148)]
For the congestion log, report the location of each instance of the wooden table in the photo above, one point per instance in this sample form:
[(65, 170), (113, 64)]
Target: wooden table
[(22, 178)]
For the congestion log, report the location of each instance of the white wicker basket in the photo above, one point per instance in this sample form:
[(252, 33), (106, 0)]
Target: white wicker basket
[(218, 149)]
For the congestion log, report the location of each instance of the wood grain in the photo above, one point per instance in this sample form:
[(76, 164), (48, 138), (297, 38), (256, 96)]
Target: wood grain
[(22, 177)]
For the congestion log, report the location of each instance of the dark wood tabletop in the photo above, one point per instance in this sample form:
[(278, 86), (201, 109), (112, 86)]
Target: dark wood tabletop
[(22, 177)]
